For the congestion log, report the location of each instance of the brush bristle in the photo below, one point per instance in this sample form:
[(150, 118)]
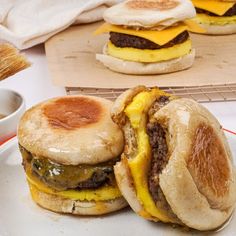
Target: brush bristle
[(11, 61)]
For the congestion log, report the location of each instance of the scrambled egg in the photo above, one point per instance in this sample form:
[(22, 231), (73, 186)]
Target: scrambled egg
[(147, 55)]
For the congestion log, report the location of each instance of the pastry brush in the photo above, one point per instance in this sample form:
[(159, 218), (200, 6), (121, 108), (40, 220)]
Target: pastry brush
[(11, 61)]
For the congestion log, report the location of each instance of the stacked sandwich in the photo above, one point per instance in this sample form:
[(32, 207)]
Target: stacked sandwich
[(176, 165), (148, 37), (216, 16), (69, 146)]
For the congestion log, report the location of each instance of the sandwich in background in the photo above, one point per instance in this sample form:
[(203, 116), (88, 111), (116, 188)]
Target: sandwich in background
[(217, 17), (148, 37), (69, 146), (177, 166)]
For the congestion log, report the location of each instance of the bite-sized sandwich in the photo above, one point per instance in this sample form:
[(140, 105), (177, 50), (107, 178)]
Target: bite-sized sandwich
[(216, 16), (176, 166), (69, 146), (148, 36)]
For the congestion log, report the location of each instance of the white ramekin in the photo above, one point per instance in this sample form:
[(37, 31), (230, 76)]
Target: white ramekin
[(12, 105)]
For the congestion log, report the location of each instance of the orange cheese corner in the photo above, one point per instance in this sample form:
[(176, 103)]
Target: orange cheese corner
[(194, 26), (104, 28), (214, 6)]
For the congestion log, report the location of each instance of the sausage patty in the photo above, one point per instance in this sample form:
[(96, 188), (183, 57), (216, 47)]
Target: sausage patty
[(230, 12), (159, 148), (125, 40), (157, 140), (160, 158)]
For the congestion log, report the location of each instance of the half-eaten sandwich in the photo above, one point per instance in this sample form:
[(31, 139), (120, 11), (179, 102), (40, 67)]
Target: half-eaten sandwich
[(69, 146), (148, 36), (176, 166)]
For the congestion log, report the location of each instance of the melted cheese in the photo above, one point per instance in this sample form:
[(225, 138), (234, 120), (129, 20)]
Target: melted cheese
[(147, 55), (214, 6), (215, 20), (194, 27), (100, 194), (159, 37), (136, 112)]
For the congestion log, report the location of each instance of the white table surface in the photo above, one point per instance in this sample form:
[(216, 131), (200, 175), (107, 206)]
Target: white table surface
[(36, 85)]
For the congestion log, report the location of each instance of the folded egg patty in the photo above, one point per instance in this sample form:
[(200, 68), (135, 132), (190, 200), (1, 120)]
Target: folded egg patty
[(151, 145)]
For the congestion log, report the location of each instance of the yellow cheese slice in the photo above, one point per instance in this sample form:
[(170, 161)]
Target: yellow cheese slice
[(159, 37), (139, 166), (101, 194), (214, 6), (148, 55)]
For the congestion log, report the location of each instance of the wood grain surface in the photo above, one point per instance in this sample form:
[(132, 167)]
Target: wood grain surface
[(72, 63)]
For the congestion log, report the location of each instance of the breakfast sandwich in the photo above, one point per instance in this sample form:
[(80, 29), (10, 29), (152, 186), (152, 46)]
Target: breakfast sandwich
[(69, 146), (148, 36), (177, 166), (216, 16)]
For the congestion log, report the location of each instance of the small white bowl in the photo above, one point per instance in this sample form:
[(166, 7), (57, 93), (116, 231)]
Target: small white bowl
[(12, 107)]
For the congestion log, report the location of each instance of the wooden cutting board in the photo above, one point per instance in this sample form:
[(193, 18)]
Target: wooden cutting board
[(72, 63)]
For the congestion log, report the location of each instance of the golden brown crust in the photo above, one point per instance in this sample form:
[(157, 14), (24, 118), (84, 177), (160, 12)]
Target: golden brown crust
[(208, 162), (72, 113), (152, 5)]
